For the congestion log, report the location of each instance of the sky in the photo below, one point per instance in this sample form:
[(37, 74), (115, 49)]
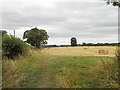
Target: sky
[(91, 21)]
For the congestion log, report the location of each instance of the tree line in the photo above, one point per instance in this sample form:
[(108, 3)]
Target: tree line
[(86, 44)]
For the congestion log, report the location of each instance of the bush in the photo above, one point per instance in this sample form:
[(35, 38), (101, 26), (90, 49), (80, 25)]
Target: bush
[(13, 46)]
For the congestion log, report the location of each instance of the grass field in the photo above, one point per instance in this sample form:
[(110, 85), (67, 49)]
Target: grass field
[(62, 67), (81, 51)]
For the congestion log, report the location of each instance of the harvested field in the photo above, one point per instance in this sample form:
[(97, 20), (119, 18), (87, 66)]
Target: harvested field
[(81, 51)]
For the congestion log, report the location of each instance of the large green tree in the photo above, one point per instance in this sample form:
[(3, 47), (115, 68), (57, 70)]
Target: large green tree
[(36, 37)]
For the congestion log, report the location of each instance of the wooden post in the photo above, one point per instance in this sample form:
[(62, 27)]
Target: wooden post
[(14, 33)]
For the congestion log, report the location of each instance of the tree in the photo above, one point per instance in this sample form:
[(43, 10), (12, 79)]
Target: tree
[(114, 2), (3, 32), (36, 37), (73, 41), (84, 44)]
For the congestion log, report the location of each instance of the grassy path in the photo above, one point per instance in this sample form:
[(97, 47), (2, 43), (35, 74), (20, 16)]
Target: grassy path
[(36, 73), (38, 70), (46, 75)]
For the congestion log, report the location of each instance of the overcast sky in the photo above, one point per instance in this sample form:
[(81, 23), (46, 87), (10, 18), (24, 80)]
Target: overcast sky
[(91, 21)]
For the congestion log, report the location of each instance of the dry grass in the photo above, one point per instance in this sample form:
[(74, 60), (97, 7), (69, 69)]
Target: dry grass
[(81, 51), (107, 70), (66, 80), (11, 75)]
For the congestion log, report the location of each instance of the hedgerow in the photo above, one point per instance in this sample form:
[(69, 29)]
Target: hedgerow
[(12, 46)]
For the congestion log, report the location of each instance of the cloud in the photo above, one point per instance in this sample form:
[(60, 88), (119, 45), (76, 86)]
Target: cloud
[(85, 20)]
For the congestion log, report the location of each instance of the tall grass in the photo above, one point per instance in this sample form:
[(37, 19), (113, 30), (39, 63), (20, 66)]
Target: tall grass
[(15, 71), (103, 75), (11, 70), (11, 74), (110, 72), (104, 72), (118, 61)]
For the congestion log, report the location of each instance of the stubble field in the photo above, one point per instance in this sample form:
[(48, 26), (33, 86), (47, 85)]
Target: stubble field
[(82, 51)]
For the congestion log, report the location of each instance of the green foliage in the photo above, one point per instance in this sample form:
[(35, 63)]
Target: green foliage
[(3, 32), (13, 46), (36, 37)]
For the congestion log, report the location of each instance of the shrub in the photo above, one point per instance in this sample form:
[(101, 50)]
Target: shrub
[(13, 46)]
